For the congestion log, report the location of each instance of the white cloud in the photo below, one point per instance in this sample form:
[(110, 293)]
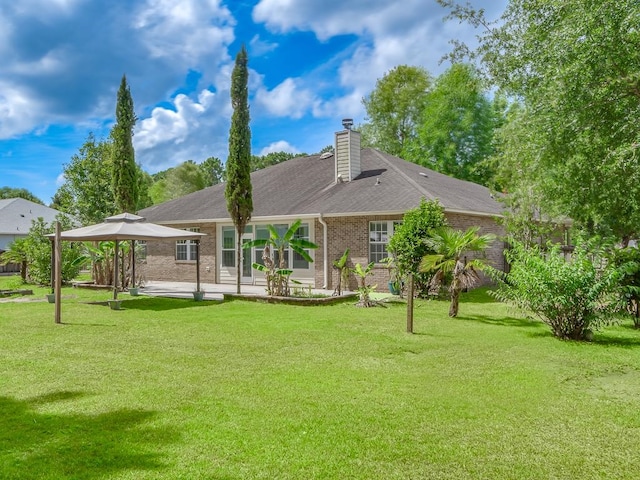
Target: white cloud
[(389, 35), (259, 47), (191, 130), (185, 31), (19, 112), (286, 100), (279, 146)]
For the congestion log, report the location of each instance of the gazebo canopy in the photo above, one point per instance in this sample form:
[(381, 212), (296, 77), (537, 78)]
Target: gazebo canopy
[(127, 226), (124, 226)]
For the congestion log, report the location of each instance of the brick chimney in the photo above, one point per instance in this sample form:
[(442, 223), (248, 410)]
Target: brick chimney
[(347, 153)]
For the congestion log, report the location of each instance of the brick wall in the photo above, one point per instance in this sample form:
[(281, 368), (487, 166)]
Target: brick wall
[(353, 233), (343, 232), (161, 263)]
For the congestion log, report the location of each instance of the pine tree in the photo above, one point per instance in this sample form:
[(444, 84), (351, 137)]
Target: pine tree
[(238, 169), (124, 181)]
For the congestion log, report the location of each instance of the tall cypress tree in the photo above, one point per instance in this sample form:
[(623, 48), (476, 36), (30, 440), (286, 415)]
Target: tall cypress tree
[(124, 179), (238, 187)]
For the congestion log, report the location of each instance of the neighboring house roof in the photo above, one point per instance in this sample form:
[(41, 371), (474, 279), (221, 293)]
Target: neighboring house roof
[(307, 186), (16, 215)]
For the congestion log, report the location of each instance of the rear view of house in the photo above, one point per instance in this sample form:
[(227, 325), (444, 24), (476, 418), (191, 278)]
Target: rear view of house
[(352, 198)]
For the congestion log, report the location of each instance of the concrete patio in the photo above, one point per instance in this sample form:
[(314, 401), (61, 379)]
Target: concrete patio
[(213, 291)]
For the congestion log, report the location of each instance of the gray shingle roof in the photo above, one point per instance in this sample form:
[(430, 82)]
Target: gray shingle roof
[(306, 186), (16, 215)]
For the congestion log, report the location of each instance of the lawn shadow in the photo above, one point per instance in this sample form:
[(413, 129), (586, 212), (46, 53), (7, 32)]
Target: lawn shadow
[(160, 304), (501, 321), (605, 339), (34, 444)]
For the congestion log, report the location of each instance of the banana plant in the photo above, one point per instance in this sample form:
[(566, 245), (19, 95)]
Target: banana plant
[(343, 272), (364, 290), (275, 267)]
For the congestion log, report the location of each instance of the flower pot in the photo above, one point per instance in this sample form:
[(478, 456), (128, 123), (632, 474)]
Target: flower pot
[(394, 288), (51, 297), (133, 291), (198, 296), (114, 304)]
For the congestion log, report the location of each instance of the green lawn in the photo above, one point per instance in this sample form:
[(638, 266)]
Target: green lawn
[(179, 389)]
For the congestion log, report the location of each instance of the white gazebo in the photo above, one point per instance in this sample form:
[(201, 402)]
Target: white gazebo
[(117, 228)]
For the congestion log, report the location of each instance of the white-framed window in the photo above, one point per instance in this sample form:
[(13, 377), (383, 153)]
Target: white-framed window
[(187, 249), (229, 247), (379, 234), (301, 233)]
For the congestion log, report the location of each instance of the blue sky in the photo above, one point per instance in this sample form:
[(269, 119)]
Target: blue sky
[(311, 62)]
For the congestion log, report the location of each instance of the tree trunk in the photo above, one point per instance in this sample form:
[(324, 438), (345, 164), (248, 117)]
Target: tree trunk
[(239, 232), (455, 302)]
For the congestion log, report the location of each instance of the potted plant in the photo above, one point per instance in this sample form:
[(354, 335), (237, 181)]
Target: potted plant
[(395, 284), (198, 295)]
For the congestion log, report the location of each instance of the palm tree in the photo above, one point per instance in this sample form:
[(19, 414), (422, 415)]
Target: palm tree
[(449, 262), (17, 253)]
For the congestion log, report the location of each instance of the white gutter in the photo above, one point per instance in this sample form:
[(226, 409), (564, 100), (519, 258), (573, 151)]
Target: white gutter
[(325, 250)]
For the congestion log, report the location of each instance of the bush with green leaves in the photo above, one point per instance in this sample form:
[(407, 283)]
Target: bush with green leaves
[(572, 296), (628, 261), (407, 245), (37, 247)]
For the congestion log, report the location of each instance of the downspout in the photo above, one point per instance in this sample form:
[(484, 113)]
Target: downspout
[(325, 250)]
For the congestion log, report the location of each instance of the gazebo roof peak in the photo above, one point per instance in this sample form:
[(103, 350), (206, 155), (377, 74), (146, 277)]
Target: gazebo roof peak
[(125, 217)]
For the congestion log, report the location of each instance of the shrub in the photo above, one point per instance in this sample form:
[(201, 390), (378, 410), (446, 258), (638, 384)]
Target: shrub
[(628, 261), (574, 297), (38, 252)]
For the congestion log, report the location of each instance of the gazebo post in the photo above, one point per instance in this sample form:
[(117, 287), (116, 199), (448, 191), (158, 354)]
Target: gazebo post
[(133, 264), (115, 271), (58, 274), (197, 265), (53, 264)]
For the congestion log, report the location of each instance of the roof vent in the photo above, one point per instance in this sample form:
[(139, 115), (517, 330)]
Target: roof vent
[(347, 123), (326, 155)]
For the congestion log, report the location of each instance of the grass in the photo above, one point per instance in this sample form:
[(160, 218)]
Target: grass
[(176, 389)]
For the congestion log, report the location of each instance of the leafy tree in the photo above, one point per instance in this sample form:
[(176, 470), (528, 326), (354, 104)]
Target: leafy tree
[(145, 182), (37, 248), (273, 158), (449, 264), (212, 171), (8, 192), (86, 193), (188, 177), (238, 187), (395, 107), (457, 127), (274, 256), (574, 66), (407, 245), (124, 178), (573, 298)]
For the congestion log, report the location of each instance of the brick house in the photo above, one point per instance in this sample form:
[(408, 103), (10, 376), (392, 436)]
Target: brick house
[(350, 199)]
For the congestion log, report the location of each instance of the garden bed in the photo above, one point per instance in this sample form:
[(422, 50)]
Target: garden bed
[(291, 300)]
